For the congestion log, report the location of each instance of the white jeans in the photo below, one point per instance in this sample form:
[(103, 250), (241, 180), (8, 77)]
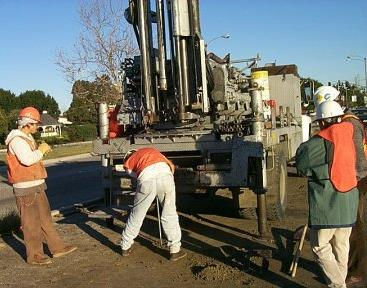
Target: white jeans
[(162, 186), (331, 247)]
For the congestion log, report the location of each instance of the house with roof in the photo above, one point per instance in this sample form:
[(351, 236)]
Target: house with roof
[(49, 126), (64, 121)]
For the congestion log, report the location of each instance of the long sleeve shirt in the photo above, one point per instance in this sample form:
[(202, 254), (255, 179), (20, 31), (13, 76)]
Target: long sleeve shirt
[(21, 149)]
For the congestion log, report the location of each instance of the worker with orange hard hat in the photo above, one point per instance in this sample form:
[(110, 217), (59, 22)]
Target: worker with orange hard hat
[(27, 174)]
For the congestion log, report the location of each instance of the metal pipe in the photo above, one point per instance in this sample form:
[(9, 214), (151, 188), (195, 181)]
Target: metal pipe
[(204, 83), (195, 17), (273, 117), (154, 101), (261, 181), (261, 197), (106, 180), (262, 220), (103, 134), (103, 120), (178, 62), (288, 115), (184, 72), (172, 46), (145, 54), (258, 119), (281, 116), (161, 45), (159, 221)]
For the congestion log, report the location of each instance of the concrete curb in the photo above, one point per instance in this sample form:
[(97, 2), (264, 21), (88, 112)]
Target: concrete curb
[(66, 158)]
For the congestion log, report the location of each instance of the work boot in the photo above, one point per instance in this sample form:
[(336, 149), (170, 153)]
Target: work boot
[(68, 249), (40, 260), (177, 256), (356, 282), (125, 253)]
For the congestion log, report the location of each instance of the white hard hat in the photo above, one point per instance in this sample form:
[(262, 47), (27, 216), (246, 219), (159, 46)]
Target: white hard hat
[(325, 93), (328, 109)]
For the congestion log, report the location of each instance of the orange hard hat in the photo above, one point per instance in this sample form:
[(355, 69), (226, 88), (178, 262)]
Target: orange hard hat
[(30, 112)]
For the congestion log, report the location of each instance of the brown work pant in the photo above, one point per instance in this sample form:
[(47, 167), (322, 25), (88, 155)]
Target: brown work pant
[(37, 224), (358, 246)]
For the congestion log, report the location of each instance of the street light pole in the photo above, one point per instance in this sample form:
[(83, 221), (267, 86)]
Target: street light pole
[(364, 59), (224, 36)]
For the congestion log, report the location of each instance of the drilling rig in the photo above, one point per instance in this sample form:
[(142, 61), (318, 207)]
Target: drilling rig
[(220, 127)]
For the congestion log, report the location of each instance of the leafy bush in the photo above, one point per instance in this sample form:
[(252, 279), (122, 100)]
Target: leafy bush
[(85, 132), (55, 140)]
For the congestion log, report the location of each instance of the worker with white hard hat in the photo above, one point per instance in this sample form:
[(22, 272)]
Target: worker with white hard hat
[(325, 93), (357, 274), (328, 159)]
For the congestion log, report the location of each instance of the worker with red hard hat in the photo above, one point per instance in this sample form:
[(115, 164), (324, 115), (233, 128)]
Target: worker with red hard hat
[(27, 174)]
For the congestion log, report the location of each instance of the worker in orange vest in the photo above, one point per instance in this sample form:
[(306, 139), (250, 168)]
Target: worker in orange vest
[(27, 175), (357, 264), (328, 159), (154, 173)]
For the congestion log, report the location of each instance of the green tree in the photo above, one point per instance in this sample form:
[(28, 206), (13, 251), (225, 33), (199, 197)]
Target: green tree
[(8, 100), (307, 84), (347, 92), (86, 95), (82, 112), (3, 125), (39, 100), (12, 119)]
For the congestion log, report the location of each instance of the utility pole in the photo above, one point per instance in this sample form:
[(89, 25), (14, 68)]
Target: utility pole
[(363, 59)]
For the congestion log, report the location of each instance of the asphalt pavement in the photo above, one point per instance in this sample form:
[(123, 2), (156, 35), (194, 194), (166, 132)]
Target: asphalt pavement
[(70, 180)]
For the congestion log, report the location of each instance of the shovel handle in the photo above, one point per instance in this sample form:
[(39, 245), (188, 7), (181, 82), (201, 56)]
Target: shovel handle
[(294, 264)]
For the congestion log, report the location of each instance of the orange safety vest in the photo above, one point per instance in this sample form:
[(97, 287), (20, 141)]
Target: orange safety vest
[(346, 116), (343, 168), (17, 172), (145, 157)]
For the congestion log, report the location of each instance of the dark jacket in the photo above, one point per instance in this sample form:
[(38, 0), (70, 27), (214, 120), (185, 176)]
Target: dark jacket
[(328, 208), (358, 137)]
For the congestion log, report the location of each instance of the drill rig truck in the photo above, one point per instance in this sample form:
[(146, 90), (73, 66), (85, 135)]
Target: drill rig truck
[(220, 127)]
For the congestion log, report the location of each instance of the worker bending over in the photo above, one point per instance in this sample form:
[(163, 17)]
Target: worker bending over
[(154, 173), (27, 174), (329, 161)]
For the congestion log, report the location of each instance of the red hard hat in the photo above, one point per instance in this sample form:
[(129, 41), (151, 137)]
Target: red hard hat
[(30, 112)]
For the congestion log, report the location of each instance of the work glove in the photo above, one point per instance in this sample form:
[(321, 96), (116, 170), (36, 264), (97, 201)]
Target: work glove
[(44, 148)]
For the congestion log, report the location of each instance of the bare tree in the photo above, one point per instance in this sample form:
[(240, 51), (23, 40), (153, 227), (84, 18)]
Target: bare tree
[(106, 39)]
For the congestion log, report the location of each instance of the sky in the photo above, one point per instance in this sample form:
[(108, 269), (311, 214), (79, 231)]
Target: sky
[(316, 35)]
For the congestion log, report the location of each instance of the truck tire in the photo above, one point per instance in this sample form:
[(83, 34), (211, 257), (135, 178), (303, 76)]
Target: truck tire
[(276, 196)]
